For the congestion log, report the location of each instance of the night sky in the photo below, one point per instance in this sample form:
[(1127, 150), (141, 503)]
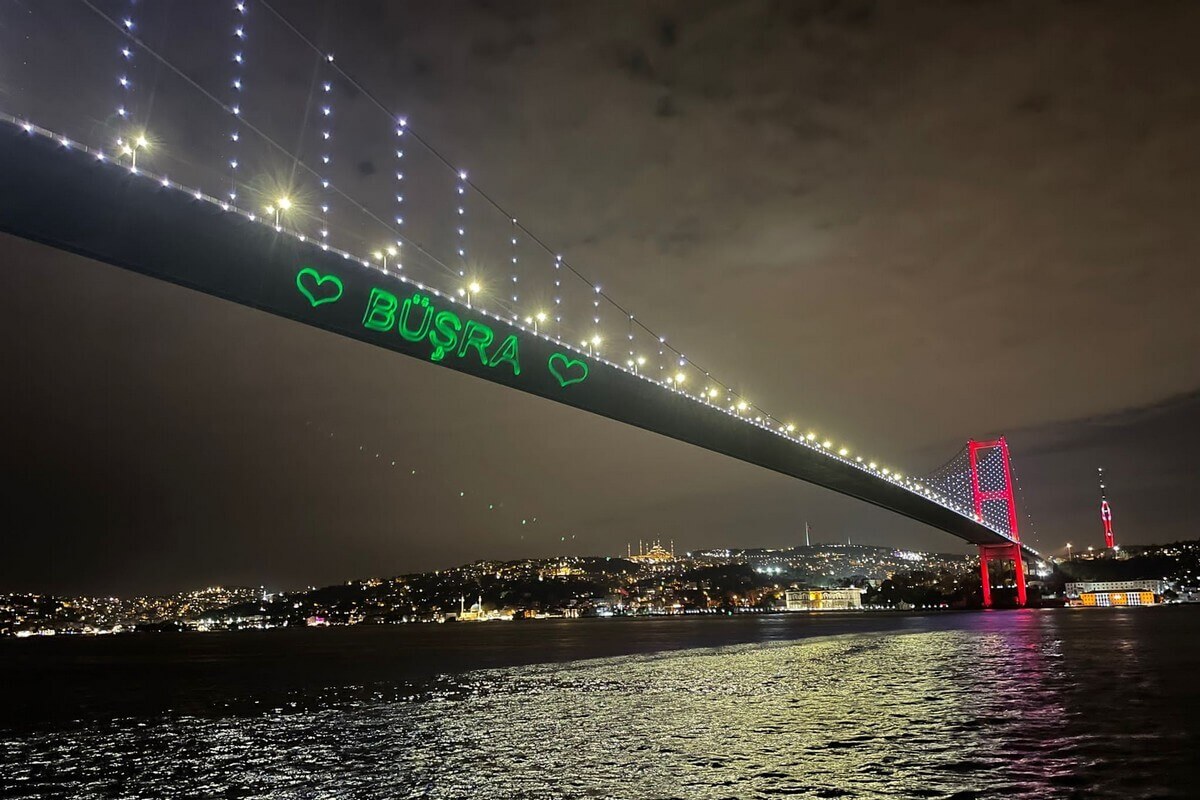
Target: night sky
[(906, 224)]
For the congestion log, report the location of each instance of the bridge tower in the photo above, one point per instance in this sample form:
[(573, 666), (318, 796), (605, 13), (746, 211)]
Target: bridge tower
[(995, 486)]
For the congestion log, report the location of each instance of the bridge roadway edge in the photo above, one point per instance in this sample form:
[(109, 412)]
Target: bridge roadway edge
[(69, 200)]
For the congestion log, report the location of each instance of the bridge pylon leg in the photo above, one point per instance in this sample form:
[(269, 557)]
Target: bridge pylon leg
[(983, 577), (1013, 552), (1019, 574)]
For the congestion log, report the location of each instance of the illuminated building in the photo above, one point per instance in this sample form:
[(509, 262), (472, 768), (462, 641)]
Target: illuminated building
[(657, 554), (1080, 588), (824, 599), (1107, 599), (560, 570), (474, 614)]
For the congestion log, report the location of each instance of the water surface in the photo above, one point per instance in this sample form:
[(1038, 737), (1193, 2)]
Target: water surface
[(1052, 704)]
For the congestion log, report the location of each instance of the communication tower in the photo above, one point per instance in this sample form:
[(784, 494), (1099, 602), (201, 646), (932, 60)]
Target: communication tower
[(1105, 514)]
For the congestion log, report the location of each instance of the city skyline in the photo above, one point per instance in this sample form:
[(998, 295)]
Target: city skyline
[(654, 581)]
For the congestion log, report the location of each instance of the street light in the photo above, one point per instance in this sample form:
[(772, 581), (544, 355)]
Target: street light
[(538, 318), (472, 288), (382, 255), (284, 203), (131, 150)]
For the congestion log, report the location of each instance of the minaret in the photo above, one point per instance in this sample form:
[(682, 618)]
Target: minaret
[(807, 543), (1105, 514)]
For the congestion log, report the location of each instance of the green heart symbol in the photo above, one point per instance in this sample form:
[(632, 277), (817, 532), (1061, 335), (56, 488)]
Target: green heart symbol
[(318, 288), (567, 370)]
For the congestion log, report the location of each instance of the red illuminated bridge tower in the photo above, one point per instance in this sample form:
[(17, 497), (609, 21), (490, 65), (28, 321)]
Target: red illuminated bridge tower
[(994, 486)]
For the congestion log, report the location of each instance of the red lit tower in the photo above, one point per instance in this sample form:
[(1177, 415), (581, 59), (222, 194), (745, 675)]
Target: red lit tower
[(1000, 492), (1105, 514)]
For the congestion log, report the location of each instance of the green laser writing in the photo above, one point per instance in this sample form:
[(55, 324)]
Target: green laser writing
[(417, 320), (566, 370), (318, 288)]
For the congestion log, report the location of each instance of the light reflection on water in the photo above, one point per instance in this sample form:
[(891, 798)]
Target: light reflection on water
[(1002, 708)]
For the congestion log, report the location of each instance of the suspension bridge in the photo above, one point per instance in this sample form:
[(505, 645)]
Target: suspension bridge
[(215, 162)]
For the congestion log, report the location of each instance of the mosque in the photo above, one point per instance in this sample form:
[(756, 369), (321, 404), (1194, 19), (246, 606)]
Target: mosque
[(657, 554)]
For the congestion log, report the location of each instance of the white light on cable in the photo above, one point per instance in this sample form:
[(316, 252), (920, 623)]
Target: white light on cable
[(128, 64), (326, 133), (460, 189), (513, 257)]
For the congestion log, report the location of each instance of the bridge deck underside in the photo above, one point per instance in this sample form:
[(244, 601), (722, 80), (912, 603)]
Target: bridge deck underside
[(69, 200)]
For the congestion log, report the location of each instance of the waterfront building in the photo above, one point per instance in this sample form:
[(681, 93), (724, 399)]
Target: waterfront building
[(1108, 599), (1080, 588), (473, 614), (824, 599)]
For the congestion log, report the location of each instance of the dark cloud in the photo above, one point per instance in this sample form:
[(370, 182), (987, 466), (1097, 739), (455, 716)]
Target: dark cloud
[(500, 50), (668, 32), (666, 107), (1034, 103)]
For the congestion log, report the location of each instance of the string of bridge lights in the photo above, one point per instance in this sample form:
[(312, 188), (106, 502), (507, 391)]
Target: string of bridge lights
[(130, 146), (126, 68), (235, 87), (737, 406), (460, 207), (1033, 531), (283, 202), (326, 129), (515, 290), (393, 250), (558, 293), (737, 410), (593, 344)]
